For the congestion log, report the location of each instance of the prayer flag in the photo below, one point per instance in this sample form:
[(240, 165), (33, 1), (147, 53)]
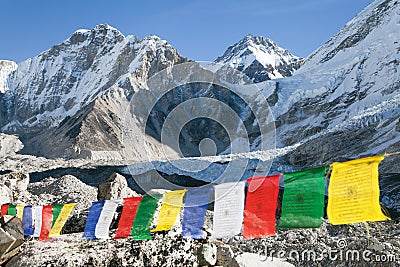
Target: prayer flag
[(196, 202), (20, 211), (228, 210), (92, 219), (260, 208), (125, 224), (61, 219), (12, 210), (105, 219), (303, 199), (37, 220), (47, 219), (56, 211), (27, 221), (4, 209), (354, 192), (144, 215), (170, 208)]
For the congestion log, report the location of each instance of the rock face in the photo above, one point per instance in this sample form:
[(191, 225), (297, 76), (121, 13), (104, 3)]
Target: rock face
[(115, 187)]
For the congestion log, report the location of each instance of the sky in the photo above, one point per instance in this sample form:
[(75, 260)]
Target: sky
[(198, 29)]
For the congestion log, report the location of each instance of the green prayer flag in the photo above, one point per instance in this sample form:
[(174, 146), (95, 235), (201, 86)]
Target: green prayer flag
[(56, 211), (12, 210), (144, 215), (303, 199)]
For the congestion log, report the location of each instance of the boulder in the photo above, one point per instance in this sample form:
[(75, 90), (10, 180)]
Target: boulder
[(9, 145), (226, 257), (13, 183), (207, 255), (5, 194), (115, 187), (11, 237)]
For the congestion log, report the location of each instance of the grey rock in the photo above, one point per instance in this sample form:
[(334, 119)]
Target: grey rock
[(11, 237), (5, 194), (17, 183), (226, 257), (207, 254), (115, 187)]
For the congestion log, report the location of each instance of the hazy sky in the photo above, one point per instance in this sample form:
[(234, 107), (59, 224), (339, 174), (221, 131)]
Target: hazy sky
[(200, 30)]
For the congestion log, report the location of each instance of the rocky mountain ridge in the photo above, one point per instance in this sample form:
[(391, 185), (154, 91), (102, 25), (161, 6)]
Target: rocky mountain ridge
[(76, 93)]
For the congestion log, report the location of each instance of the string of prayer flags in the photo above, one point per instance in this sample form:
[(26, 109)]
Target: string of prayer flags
[(228, 210), (260, 209), (92, 219), (303, 199), (105, 219), (47, 220), (128, 214), (354, 192), (170, 208), (4, 209), (37, 220), (27, 221), (61, 219), (144, 215)]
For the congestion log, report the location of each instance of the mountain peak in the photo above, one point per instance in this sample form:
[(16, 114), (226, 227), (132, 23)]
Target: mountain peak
[(260, 58), (252, 40)]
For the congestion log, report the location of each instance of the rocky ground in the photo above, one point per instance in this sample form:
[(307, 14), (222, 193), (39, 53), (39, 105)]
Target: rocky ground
[(375, 244), (349, 245)]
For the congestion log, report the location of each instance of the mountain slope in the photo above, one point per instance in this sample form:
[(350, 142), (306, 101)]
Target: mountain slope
[(76, 93), (344, 102), (260, 58), (59, 82)]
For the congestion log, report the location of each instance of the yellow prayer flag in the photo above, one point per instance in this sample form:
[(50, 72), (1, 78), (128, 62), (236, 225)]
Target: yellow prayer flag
[(354, 192), (20, 211), (61, 219), (169, 210)]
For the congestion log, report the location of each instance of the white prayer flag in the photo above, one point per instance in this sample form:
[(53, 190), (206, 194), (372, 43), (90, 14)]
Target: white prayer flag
[(37, 220), (105, 219), (228, 210)]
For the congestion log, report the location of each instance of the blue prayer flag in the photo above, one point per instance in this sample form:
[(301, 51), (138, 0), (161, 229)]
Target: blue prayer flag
[(92, 219), (194, 212), (27, 221)]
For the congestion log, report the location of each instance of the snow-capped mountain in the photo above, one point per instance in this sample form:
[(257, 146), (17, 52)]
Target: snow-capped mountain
[(76, 93), (260, 58), (59, 82), (344, 102)]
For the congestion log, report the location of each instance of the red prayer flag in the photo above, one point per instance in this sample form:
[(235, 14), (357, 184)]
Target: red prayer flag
[(260, 208), (47, 222), (127, 217), (4, 209)]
